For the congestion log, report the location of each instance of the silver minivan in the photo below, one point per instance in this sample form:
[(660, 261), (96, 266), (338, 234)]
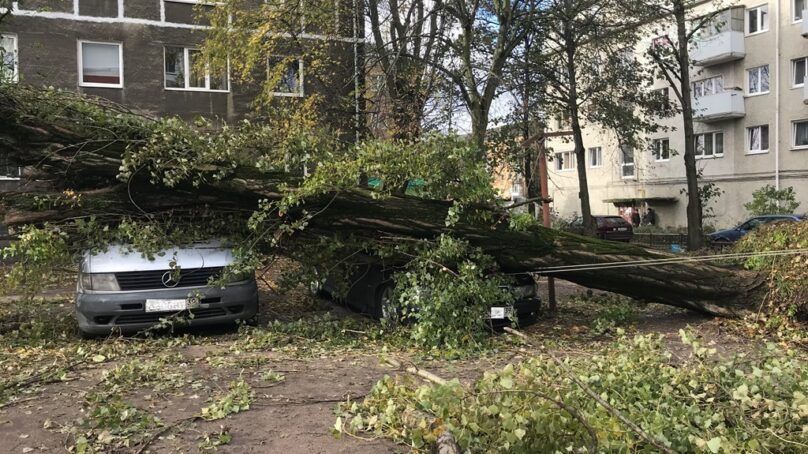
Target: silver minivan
[(122, 290)]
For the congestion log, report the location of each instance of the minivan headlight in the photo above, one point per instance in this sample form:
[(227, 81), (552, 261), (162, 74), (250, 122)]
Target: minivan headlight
[(100, 281)]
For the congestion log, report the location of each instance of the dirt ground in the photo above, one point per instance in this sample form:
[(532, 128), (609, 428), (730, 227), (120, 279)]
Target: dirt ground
[(297, 379)]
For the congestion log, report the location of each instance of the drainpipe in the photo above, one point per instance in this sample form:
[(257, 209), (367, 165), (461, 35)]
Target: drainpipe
[(777, 99)]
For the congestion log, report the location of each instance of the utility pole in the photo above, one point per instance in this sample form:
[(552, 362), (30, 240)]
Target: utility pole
[(544, 187)]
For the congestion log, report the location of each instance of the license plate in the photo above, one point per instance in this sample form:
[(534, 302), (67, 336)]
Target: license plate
[(166, 305), (622, 229), (497, 313)]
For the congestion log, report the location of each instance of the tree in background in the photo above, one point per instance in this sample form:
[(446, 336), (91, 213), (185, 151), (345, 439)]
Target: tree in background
[(406, 48), (592, 76), (678, 27), (770, 200)]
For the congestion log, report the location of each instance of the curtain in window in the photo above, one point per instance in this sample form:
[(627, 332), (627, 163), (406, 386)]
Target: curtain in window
[(754, 81), (754, 138), (764, 78)]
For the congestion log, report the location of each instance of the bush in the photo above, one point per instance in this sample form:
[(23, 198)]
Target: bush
[(740, 405), (768, 200), (786, 275)]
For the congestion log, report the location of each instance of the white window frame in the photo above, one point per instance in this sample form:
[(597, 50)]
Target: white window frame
[(749, 149), (81, 42), (302, 91), (624, 165), (713, 135), (759, 70), (15, 73), (794, 63), (657, 152), (797, 15), (794, 145), (572, 159), (187, 72), (595, 163), (761, 29), (702, 82)]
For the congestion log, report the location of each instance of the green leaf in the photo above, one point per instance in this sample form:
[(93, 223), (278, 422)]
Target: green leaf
[(714, 445)]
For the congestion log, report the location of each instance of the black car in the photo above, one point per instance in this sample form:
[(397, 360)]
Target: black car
[(369, 290), (731, 236)]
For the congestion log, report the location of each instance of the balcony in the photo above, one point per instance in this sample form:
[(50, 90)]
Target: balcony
[(804, 25), (722, 106), (719, 48)]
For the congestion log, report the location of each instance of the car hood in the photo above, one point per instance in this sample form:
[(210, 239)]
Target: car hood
[(119, 258)]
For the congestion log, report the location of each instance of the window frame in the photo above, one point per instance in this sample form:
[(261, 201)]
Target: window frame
[(759, 70), (794, 145), (15, 73), (80, 46), (794, 72), (658, 153), (713, 134), (703, 81), (573, 160), (746, 19), (794, 12), (187, 72), (624, 165), (599, 151), (301, 78), (748, 140)]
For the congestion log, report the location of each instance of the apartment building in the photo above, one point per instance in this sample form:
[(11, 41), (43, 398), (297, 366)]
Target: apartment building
[(751, 120), (142, 53)]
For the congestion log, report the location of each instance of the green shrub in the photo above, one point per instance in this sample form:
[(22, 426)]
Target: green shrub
[(769, 200)]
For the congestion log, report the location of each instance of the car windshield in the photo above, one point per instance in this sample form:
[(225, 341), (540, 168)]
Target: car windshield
[(751, 224)]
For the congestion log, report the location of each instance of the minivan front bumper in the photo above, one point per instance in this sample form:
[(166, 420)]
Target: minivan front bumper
[(100, 313)]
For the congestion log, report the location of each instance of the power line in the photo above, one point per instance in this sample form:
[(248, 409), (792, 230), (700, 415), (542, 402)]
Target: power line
[(668, 261)]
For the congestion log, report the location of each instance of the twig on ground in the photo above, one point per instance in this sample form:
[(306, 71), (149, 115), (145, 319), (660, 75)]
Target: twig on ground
[(613, 411), (164, 430), (426, 375)]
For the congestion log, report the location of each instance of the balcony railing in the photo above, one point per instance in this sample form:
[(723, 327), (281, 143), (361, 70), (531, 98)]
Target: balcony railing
[(804, 25), (719, 48), (721, 106)]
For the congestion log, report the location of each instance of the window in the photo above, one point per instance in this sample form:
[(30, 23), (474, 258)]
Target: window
[(799, 6), (595, 157), (801, 134), (799, 69), (757, 139), (288, 73), (661, 94), (626, 161), (758, 80), (8, 58), (565, 161), (100, 64), (709, 145), (757, 19), (183, 72), (707, 87), (720, 22), (661, 148)]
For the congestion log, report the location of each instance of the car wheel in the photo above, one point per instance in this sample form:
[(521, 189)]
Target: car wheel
[(386, 308)]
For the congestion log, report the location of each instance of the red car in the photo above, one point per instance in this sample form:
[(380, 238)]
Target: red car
[(612, 228)]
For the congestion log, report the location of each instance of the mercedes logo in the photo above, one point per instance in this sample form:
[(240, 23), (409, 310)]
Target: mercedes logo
[(168, 280)]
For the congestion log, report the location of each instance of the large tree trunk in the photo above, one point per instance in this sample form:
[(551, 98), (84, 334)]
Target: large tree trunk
[(47, 145), (695, 234)]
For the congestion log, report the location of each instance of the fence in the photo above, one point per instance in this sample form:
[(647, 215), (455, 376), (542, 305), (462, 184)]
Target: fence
[(663, 241)]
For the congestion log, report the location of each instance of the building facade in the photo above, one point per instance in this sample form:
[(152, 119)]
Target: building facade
[(142, 54), (751, 121)]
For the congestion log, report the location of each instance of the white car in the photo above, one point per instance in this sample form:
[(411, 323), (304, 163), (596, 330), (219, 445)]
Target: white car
[(121, 290)]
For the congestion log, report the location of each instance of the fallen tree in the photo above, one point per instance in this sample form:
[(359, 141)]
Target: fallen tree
[(87, 162)]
